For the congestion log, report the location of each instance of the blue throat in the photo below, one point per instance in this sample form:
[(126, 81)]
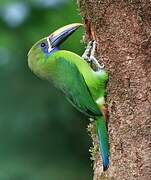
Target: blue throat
[(47, 54), (51, 52)]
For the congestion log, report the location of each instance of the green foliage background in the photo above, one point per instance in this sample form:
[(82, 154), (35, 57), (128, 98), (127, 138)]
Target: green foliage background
[(42, 137)]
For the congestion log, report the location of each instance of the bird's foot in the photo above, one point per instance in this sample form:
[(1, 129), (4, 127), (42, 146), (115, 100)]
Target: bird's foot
[(87, 52), (89, 56), (93, 59)]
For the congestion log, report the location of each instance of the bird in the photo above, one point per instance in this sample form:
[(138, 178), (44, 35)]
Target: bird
[(84, 87)]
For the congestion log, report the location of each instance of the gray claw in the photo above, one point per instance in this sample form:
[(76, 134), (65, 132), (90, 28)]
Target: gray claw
[(94, 61), (86, 55), (89, 56)]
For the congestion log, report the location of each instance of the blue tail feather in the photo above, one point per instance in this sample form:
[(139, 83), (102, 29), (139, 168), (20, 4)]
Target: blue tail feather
[(103, 141)]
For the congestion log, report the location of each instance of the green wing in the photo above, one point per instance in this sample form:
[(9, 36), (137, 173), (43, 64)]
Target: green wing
[(72, 83)]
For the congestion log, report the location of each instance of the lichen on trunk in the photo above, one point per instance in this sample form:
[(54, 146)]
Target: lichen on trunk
[(122, 31)]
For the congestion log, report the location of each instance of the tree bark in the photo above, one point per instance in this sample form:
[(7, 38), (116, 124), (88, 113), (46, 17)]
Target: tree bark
[(122, 30)]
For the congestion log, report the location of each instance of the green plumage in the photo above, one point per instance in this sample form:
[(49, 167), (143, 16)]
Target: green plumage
[(83, 87)]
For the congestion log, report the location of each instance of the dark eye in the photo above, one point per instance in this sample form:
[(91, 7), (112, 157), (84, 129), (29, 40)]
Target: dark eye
[(43, 44)]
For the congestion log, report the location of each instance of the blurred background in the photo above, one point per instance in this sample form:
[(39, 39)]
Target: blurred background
[(42, 137)]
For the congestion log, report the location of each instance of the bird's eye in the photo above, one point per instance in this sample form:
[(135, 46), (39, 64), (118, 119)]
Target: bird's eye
[(43, 44)]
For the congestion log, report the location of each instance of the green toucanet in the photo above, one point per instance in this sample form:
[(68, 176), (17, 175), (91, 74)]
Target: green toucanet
[(84, 87)]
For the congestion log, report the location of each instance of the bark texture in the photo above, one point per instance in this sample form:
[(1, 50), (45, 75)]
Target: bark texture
[(122, 29)]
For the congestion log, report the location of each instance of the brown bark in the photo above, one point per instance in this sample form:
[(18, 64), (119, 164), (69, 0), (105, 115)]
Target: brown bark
[(122, 31)]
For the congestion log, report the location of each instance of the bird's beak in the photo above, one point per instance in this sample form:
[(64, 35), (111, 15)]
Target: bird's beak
[(60, 35)]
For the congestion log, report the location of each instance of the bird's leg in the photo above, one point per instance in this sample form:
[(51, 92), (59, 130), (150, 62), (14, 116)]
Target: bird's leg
[(86, 55), (94, 62), (89, 56)]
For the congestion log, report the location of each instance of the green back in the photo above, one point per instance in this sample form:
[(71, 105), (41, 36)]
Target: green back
[(68, 78)]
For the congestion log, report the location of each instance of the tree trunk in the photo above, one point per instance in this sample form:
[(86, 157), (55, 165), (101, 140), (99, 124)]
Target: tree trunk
[(122, 29)]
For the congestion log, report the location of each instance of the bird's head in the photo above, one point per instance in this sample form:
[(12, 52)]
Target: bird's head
[(44, 48)]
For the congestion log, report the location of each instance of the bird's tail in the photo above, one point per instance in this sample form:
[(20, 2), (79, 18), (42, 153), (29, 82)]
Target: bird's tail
[(101, 127)]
